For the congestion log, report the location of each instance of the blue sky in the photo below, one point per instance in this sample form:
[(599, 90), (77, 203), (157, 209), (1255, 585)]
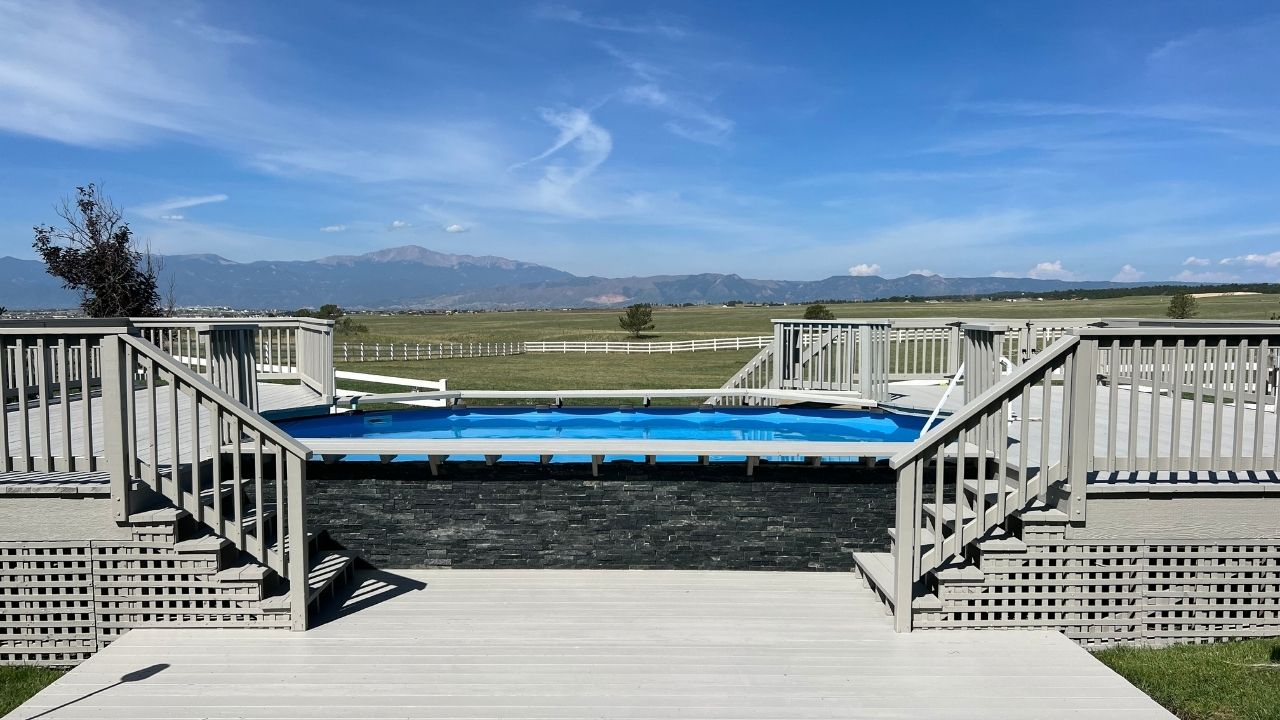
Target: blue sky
[(1133, 140)]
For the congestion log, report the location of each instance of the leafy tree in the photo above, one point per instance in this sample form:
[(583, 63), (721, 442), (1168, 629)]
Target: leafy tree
[(1182, 306), (347, 325), (637, 319), (95, 255), (818, 312)]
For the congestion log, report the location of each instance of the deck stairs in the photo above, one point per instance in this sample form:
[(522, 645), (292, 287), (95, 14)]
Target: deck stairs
[(960, 574), (965, 494), (228, 587)]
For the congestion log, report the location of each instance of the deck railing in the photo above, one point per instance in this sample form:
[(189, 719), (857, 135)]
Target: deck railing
[(1096, 400), (84, 396), (234, 353), (837, 355), (46, 371), (234, 471), (757, 374)]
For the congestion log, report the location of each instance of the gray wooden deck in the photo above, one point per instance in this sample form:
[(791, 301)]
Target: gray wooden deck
[(596, 644)]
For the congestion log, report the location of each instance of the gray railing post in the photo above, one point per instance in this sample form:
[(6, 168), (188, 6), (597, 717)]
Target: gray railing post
[(953, 348), (907, 516), (1082, 408), (299, 551), (115, 423)]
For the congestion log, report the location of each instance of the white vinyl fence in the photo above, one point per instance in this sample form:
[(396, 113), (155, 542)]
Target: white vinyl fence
[(372, 352), (733, 343)]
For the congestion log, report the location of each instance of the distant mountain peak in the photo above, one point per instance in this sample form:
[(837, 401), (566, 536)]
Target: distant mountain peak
[(424, 256), (203, 257)]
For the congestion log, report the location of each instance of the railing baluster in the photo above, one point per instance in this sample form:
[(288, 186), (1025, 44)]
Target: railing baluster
[(1197, 406), (1260, 402), (1218, 369), (42, 400), (1237, 401), (1175, 394), (63, 365)]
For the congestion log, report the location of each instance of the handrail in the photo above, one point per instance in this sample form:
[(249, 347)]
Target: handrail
[(243, 413), (224, 464), (1006, 388)]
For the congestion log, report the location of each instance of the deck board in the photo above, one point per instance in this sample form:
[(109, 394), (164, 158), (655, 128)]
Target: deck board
[(563, 644)]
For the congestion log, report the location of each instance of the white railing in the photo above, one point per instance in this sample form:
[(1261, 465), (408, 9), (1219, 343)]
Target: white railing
[(378, 352), (648, 348)]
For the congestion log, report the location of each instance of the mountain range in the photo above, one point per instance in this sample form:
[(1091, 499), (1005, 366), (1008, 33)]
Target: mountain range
[(413, 277)]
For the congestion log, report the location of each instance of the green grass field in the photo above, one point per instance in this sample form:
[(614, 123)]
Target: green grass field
[(713, 321), (19, 682), (1222, 681), (685, 370)]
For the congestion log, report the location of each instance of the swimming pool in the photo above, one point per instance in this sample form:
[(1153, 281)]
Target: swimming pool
[(718, 428)]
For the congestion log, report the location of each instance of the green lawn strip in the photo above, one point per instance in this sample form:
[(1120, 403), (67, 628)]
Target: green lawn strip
[(711, 321), (19, 682), (580, 371), (1219, 681)]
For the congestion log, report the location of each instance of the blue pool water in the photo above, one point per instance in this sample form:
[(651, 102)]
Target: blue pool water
[(819, 425)]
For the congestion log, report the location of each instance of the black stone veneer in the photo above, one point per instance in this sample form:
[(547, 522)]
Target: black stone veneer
[(632, 516)]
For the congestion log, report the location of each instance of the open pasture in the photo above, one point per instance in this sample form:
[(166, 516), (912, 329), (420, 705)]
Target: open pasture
[(709, 321)]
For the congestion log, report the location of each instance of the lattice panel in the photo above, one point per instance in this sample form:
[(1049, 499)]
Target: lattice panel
[(46, 603), (1104, 592), (149, 585)]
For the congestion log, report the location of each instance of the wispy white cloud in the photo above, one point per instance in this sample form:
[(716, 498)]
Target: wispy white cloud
[(926, 273), (1127, 274), (957, 232), (456, 228), (1206, 277), (164, 209), (333, 228), (1196, 261), (671, 29), (399, 225), (690, 116), (554, 191), (1047, 270), (1051, 270), (864, 269), (1267, 260), (689, 120)]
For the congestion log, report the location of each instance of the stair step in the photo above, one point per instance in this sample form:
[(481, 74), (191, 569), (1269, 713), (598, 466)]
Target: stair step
[(926, 537), (965, 573), (991, 485), (326, 568), (1004, 543), (251, 572), (159, 515), (927, 603), (1044, 516), (949, 512), (877, 568), (274, 541), (208, 543)]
